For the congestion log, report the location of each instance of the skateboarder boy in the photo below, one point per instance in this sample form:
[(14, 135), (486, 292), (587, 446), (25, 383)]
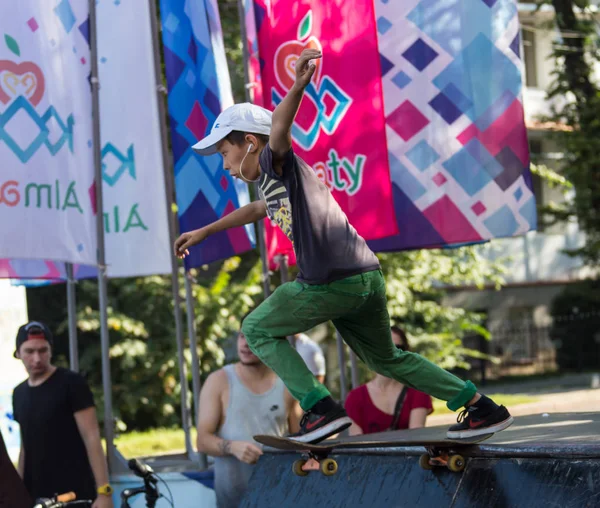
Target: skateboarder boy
[(339, 276)]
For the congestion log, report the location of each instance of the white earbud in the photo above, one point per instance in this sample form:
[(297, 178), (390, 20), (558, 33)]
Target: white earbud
[(250, 147)]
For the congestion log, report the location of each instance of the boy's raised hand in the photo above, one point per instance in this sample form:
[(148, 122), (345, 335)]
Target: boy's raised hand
[(305, 68)]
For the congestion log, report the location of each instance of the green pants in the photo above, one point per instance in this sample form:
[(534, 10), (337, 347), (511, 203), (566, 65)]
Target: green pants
[(357, 307)]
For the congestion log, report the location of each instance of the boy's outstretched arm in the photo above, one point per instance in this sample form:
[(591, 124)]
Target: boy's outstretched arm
[(252, 212), (280, 140)]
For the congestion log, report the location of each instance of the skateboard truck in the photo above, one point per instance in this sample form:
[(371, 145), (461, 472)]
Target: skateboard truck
[(436, 457), (315, 461)]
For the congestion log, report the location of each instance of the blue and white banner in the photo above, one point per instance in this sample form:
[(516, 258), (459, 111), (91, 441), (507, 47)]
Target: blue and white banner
[(199, 89), (135, 206), (46, 161)]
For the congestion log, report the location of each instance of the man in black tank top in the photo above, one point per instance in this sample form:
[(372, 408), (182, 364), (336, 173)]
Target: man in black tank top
[(340, 278)]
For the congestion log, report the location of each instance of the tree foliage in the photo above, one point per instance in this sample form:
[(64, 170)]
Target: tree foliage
[(416, 284), (577, 107)]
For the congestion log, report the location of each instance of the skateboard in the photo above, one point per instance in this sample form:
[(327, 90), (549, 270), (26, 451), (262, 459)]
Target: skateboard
[(315, 457)]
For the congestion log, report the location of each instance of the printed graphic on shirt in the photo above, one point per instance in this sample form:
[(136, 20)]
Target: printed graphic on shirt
[(279, 208)]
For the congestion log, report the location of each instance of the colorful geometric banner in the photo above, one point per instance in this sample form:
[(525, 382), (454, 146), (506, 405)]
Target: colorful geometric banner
[(459, 158), (199, 89), (340, 127), (46, 178), (456, 138)]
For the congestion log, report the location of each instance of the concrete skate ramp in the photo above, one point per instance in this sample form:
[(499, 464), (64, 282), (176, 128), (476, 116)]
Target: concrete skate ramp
[(542, 460)]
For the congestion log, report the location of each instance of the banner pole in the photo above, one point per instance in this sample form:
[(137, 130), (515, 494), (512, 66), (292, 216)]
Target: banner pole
[(196, 384), (342, 362), (172, 225), (191, 325), (109, 434), (72, 319), (354, 370), (260, 226)]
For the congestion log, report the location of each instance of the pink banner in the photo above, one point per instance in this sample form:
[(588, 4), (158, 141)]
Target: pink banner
[(340, 128)]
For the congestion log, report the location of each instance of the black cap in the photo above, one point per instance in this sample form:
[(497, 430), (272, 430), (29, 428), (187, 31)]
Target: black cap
[(32, 330)]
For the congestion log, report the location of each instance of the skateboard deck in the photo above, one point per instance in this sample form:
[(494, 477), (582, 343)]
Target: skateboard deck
[(440, 452)]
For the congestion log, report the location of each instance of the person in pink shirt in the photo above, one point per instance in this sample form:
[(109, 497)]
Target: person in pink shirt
[(385, 404)]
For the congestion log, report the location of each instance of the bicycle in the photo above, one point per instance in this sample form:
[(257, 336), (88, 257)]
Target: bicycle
[(67, 500), (150, 487)]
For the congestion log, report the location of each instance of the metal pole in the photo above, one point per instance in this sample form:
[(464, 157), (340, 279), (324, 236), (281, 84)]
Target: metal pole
[(191, 326), (109, 434), (185, 411), (245, 54), (71, 312), (260, 228), (354, 370), (283, 268), (342, 362), (196, 385)]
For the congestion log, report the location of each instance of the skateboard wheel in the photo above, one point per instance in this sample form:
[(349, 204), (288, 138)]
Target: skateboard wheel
[(456, 463), (329, 467), (297, 468), (424, 462)]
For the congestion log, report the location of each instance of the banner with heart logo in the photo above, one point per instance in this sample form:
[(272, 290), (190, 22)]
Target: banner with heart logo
[(46, 164), (340, 127), (135, 210)]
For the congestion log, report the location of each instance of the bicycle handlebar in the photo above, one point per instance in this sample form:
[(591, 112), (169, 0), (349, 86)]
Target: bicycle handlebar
[(61, 501), (66, 498), (140, 469)]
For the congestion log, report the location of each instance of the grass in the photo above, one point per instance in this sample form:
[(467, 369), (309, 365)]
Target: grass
[(153, 442), (162, 441), (508, 400)]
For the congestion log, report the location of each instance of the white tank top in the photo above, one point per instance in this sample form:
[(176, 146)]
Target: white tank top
[(247, 415)]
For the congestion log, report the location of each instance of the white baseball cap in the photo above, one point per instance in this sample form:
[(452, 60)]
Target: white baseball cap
[(244, 117)]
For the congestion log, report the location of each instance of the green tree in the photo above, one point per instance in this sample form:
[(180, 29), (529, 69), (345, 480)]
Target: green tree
[(416, 283), (574, 55)]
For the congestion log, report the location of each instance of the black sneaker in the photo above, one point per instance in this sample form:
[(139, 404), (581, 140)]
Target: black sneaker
[(472, 423), (315, 427)]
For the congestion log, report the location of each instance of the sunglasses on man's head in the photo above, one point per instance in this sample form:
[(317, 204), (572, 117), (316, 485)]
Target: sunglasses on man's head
[(34, 325)]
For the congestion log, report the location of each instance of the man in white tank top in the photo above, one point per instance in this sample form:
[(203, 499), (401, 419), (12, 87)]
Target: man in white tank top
[(237, 402)]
